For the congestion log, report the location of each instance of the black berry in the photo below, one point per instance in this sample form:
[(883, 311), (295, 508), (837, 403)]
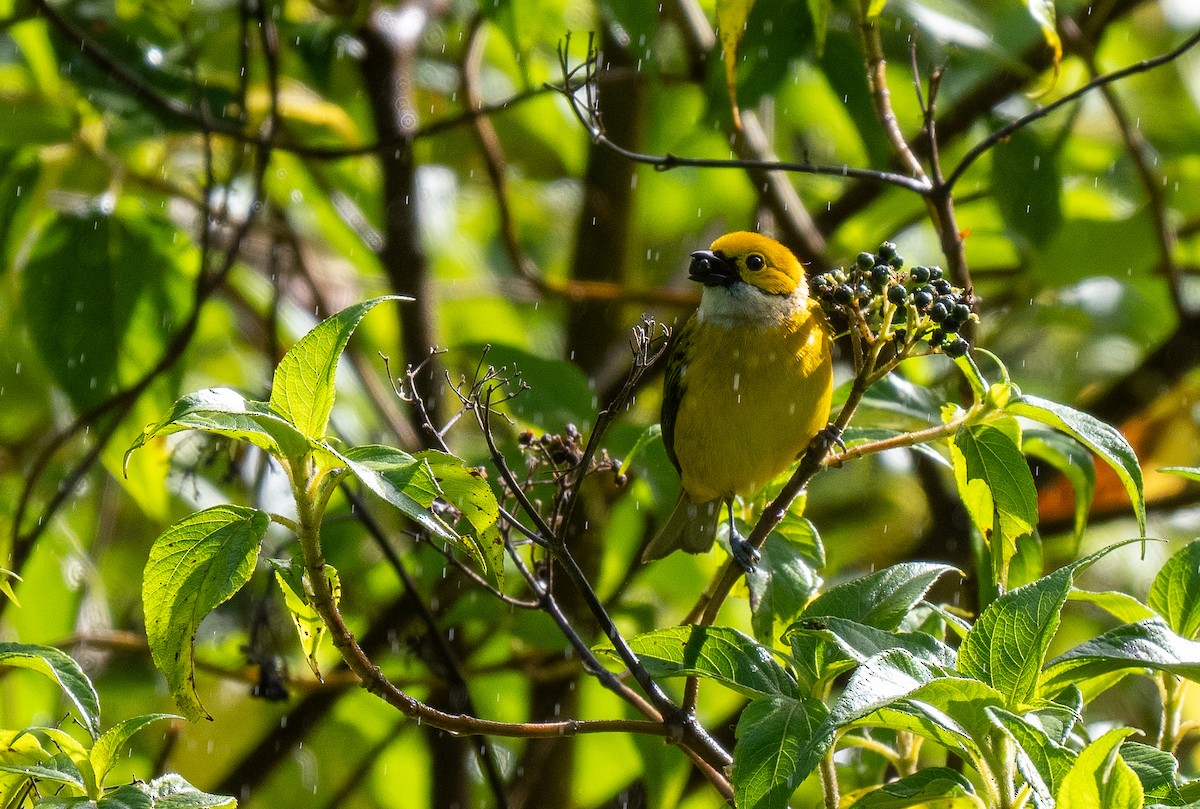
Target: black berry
[(956, 348), (897, 294)]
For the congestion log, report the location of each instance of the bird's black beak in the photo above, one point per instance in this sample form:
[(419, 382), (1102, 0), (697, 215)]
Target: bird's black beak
[(712, 269)]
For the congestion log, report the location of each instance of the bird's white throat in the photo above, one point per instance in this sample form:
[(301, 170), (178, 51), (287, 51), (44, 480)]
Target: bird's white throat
[(742, 304)]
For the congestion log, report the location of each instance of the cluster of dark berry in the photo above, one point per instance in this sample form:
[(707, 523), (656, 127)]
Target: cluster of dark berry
[(917, 301), (564, 451)]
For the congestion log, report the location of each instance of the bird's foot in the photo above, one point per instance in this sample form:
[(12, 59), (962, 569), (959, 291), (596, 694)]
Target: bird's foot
[(745, 554)]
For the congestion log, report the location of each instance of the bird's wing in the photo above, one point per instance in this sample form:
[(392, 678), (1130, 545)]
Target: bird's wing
[(673, 384)]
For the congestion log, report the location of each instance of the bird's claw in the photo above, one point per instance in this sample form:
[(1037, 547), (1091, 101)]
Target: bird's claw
[(745, 554)]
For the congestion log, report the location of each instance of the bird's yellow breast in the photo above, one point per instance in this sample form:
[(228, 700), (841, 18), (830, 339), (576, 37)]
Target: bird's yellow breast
[(750, 400)]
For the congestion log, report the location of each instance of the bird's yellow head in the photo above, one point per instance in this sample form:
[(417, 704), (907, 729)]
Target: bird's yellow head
[(749, 258)]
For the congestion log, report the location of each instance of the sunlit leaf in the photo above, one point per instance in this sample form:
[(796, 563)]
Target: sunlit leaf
[(780, 740), (6, 579), (227, 413), (1157, 769), (172, 791), (111, 745), (1043, 762), (468, 492), (1100, 777), (996, 485), (302, 391), (860, 642), (731, 27), (62, 669), (1042, 12), (406, 483), (308, 623), (1097, 436), (1148, 644), (195, 565), (718, 653), (1121, 606), (819, 11), (1175, 592), (1189, 472)]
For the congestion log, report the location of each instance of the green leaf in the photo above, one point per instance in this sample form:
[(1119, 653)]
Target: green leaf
[(880, 681), (1189, 472), (226, 412), (819, 10), (101, 295), (860, 642), (1156, 769), (995, 484), (1008, 643), (731, 27), (1148, 644), (195, 565), (785, 578), (932, 786), (468, 492), (718, 653), (408, 484), (1101, 777), (1043, 762), (875, 8), (108, 747), (780, 740), (59, 770), (6, 588), (1070, 458), (308, 623), (1175, 593), (302, 391), (1097, 436), (172, 791), (880, 600), (1027, 185), (951, 711), (1121, 606), (127, 796), (62, 669)]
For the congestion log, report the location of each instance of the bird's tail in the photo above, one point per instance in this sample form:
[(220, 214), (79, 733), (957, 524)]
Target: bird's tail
[(692, 527)]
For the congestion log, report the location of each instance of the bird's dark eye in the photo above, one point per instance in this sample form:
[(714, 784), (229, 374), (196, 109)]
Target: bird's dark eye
[(755, 262)]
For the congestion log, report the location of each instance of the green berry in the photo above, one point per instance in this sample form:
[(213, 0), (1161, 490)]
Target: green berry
[(956, 348)]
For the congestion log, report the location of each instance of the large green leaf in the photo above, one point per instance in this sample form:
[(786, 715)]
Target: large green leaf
[(1008, 643), (406, 483), (860, 641), (881, 680), (101, 296), (1148, 644), (195, 565), (226, 412), (718, 653), (880, 600), (172, 791), (1175, 593), (1027, 184), (1157, 769), (1097, 436), (785, 578), (302, 391), (1100, 777), (467, 491), (780, 740), (62, 669), (995, 484)]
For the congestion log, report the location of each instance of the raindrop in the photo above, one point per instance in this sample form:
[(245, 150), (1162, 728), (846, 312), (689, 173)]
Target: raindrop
[(154, 56)]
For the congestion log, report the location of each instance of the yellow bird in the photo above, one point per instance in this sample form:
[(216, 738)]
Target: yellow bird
[(748, 384)]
